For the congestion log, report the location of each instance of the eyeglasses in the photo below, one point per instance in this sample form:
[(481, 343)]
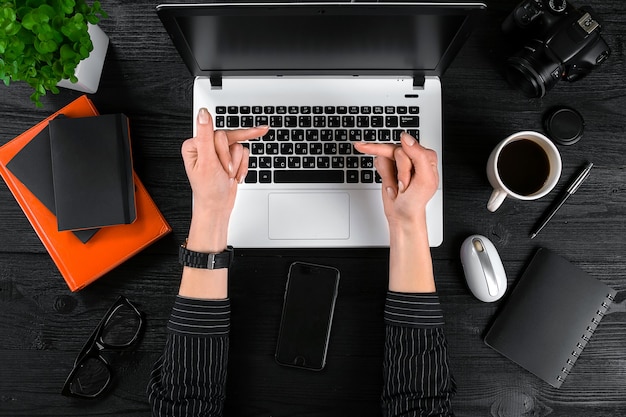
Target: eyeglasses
[(120, 329)]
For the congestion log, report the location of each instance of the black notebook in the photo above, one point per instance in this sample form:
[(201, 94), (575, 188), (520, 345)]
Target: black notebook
[(92, 172), (33, 167), (549, 317)]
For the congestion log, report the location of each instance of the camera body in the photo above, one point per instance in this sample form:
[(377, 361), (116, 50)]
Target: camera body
[(558, 41)]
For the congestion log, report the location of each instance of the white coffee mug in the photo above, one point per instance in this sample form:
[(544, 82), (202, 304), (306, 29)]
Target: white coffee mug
[(526, 166)]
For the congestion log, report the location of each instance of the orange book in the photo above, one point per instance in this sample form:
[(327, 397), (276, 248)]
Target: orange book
[(82, 263)]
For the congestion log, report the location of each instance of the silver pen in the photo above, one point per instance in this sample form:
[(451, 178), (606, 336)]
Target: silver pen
[(570, 190)]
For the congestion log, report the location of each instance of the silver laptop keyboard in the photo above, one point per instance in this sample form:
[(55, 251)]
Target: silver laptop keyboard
[(313, 144)]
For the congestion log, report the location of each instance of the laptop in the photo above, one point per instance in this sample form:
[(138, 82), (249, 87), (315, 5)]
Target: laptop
[(322, 75)]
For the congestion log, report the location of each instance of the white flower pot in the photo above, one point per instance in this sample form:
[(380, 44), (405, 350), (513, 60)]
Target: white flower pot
[(89, 70)]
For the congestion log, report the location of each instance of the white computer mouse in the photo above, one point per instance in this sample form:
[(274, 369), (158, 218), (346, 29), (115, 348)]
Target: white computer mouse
[(483, 268)]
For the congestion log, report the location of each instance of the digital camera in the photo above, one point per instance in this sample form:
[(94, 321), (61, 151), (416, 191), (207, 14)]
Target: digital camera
[(558, 42)]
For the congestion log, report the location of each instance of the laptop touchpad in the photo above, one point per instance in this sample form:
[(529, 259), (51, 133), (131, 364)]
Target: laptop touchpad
[(299, 216)]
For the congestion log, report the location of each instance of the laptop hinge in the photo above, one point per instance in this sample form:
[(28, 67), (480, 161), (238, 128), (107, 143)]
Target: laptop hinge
[(216, 82), (419, 81)]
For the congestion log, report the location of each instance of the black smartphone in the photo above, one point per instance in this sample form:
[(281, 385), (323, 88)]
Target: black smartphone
[(308, 308)]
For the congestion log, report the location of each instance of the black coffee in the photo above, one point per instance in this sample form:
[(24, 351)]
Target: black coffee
[(523, 166)]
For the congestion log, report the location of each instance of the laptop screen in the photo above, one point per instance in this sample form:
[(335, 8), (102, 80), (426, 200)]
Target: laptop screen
[(316, 38)]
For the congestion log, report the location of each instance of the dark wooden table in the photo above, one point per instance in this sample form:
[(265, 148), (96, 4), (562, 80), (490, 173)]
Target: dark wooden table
[(43, 325)]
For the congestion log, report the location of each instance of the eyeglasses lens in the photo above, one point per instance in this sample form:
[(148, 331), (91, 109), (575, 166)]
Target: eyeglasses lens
[(122, 328), (91, 378)]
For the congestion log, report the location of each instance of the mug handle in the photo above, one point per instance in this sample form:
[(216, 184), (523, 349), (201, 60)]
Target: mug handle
[(496, 199)]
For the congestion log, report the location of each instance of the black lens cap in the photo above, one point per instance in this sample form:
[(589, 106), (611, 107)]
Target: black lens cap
[(564, 125)]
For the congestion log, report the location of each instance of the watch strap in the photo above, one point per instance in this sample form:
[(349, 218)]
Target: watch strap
[(202, 260)]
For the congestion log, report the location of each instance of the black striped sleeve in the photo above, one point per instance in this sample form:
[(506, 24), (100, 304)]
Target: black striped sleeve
[(413, 309), (416, 372), (194, 317), (189, 379)]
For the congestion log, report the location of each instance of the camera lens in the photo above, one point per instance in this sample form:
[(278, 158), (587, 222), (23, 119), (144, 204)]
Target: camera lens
[(532, 71)]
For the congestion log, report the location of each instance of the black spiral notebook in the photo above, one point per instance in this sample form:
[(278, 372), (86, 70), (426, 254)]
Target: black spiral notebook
[(549, 317)]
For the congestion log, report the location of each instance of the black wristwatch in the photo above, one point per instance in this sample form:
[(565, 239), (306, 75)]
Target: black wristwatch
[(201, 260)]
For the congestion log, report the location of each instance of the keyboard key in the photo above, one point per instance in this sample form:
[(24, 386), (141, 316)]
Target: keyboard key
[(352, 162), (220, 122), (353, 109), (355, 135), (305, 109), (220, 110), (286, 148), (265, 177), (244, 109), (232, 121), (300, 148), (402, 110), (341, 135), (265, 162), (257, 148), (390, 109), (414, 132), (280, 162), (391, 121), (261, 121), (253, 162), (308, 162), (318, 109), (369, 135), (291, 121), (384, 135), (297, 135), (257, 109), (329, 109), (282, 135), (319, 121), (322, 162), (326, 135), (362, 121), (233, 110), (268, 109), (276, 121), (347, 121), (342, 110), (271, 148), (270, 136), (305, 121), (409, 121), (294, 162), (337, 162), (414, 110), (281, 110), (247, 121), (334, 121), (315, 148), (251, 177), (367, 176), (312, 135), (366, 109), (330, 148), (293, 110), (377, 121), (352, 177), (378, 109), (308, 176), (345, 149), (367, 162)]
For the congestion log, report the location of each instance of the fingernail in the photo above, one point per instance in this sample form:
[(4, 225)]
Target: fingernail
[(203, 116), (263, 127), (391, 193), (400, 186), (408, 139), (241, 180), (230, 167)]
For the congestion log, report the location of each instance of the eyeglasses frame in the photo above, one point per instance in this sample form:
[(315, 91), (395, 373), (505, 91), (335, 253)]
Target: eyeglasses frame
[(94, 347)]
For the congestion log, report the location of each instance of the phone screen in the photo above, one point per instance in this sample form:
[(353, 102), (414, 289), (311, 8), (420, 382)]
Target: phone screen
[(307, 315)]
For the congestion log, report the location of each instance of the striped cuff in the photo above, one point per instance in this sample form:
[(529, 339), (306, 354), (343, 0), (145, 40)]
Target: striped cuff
[(200, 318), (413, 310)]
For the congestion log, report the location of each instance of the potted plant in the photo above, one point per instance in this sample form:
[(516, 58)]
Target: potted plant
[(42, 42)]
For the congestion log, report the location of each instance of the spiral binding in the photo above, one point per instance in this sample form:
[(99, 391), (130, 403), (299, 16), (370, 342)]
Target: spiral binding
[(569, 363)]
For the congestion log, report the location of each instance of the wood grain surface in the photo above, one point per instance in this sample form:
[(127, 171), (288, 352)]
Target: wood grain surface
[(43, 325)]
